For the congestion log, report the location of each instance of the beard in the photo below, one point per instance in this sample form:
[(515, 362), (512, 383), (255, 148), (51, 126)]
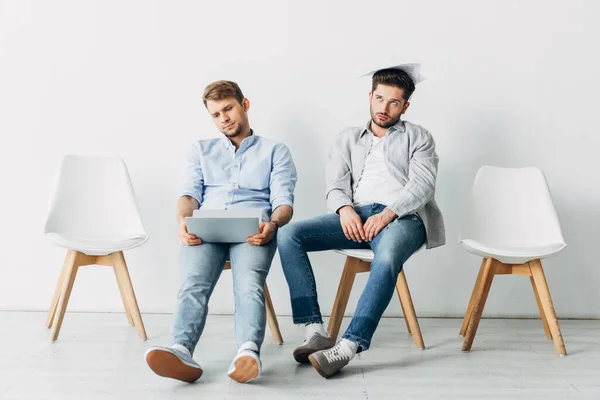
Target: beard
[(235, 132), (384, 124)]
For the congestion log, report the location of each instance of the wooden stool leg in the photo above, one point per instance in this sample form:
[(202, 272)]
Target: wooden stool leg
[(122, 291), (537, 272), (404, 312), (342, 296), (272, 317), (123, 276), (480, 298), (465, 324), (541, 308), (69, 279), (411, 316), (57, 291)]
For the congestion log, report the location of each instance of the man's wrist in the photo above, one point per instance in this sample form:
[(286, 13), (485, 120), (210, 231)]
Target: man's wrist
[(390, 214), (276, 223), (344, 209)]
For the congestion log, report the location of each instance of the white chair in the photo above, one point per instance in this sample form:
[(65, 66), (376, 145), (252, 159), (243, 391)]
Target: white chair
[(358, 261), (512, 224), (94, 215)]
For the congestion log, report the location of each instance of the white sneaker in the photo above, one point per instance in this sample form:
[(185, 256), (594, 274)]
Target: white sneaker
[(173, 362), (246, 365)]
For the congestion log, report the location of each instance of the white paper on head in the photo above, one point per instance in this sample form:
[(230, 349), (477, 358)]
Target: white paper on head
[(412, 69)]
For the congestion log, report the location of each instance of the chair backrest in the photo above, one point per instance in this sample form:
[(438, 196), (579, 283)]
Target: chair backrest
[(511, 207), (93, 197)]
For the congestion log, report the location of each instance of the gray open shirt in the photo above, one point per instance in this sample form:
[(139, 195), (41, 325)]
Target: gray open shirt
[(409, 154)]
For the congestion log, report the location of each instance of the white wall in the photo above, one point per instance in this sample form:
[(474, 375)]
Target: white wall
[(511, 83)]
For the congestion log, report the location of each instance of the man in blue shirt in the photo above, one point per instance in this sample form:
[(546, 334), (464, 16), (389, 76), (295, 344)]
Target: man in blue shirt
[(237, 170)]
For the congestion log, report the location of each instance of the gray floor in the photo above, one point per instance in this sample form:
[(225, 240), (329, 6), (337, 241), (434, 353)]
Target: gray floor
[(98, 356)]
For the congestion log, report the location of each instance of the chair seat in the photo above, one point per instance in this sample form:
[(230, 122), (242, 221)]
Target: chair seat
[(512, 254), (363, 254), (97, 246)]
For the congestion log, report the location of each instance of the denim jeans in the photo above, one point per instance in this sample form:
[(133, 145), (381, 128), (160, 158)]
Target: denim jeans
[(200, 267), (392, 247)]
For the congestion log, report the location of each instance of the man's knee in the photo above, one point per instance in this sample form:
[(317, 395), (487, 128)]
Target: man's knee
[(288, 234), (387, 262), (195, 285), (247, 289)]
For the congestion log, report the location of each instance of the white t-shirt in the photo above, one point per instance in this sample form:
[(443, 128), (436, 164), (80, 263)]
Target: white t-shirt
[(376, 184)]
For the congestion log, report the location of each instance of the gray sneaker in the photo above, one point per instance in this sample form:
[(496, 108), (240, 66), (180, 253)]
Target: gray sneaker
[(313, 344), (173, 363), (328, 362)]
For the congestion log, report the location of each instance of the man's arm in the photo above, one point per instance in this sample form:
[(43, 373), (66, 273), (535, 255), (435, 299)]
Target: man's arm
[(338, 175), (268, 230), (185, 208), (192, 188), (283, 178), (282, 215), (422, 173), (282, 183)]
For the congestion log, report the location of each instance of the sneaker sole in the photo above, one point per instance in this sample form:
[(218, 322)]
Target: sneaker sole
[(168, 365), (301, 355), (316, 365), (246, 369)]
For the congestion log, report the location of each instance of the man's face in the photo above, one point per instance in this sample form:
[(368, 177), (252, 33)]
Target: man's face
[(230, 117), (387, 105)]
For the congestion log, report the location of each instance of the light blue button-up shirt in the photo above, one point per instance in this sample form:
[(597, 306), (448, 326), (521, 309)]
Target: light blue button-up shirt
[(260, 174)]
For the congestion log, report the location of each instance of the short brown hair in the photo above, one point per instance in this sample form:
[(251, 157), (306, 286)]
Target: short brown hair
[(394, 77), (220, 90)]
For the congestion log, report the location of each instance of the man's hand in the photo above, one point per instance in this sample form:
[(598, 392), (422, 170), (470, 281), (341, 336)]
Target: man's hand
[(351, 224), (268, 230), (377, 222), (187, 238)]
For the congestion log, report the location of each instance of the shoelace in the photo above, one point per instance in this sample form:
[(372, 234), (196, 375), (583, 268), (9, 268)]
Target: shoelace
[(335, 354)]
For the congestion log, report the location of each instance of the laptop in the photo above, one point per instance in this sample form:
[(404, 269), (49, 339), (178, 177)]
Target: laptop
[(224, 226)]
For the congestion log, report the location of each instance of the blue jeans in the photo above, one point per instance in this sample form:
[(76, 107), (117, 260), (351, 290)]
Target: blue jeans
[(392, 247), (200, 267)]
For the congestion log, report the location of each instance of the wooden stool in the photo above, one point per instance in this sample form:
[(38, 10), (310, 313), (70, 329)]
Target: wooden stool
[(491, 267), (358, 261), (73, 261)]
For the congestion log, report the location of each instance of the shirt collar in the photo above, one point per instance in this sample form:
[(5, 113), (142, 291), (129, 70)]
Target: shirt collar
[(247, 142), (397, 127)]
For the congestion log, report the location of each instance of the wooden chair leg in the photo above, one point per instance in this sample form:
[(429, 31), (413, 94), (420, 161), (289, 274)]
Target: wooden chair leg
[(342, 296), (57, 291), (272, 317), (465, 323), (541, 308), (122, 292), (123, 275), (480, 299), (71, 264), (404, 311), (537, 272), (411, 316)]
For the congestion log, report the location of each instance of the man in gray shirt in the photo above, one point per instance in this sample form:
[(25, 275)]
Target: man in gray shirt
[(380, 189)]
